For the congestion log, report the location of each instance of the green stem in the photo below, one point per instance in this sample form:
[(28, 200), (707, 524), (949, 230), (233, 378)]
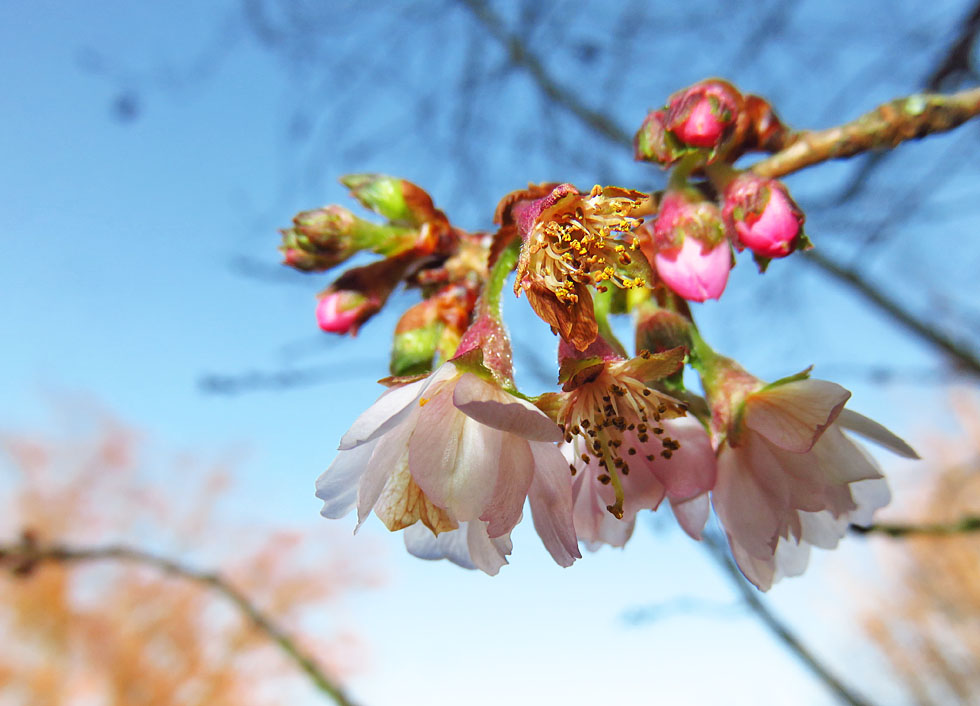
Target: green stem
[(505, 263)]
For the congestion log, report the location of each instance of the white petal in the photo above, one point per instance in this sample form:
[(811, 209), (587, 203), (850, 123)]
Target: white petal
[(794, 415), (692, 514), (390, 452), (873, 431), (791, 558), (822, 529), (421, 542), (487, 554), (870, 495), (454, 459), (488, 404), (337, 486), (551, 503), (381, 416)]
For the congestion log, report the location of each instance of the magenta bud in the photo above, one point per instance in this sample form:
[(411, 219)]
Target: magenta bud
[(700, 115), (763, 215), (690, 247), (340, 311)]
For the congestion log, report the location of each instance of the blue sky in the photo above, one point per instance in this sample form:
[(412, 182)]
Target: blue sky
[(119, 240)]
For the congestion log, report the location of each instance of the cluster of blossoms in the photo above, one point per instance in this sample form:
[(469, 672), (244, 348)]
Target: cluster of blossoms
[(452, 449)]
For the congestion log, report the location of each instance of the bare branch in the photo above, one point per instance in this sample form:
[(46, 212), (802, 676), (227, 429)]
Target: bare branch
[(520, 56), (958, 351), (790, 640), (23, 556), (883, 128), (970, 523)]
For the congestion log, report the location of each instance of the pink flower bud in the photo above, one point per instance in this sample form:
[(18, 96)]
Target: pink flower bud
[(690, 247), (700, 115), (338, 312), (764, 217), (693, 272)]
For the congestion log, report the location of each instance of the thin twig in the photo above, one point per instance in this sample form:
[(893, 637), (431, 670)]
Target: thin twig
[(885, 127), (719, 552), (520, 56), (958, 351), (970, 523), (25, 555)]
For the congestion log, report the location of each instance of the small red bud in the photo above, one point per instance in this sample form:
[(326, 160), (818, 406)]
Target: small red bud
[(339, 311), (701, 115), (763, 215)]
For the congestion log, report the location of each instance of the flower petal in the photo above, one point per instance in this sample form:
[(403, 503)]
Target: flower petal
[(751, 497), (422, 543), (873, 431), (870, 495), (454, 458), (390, 454), (793, 415), (692, 469), (337, 486), (489, 405), (692, 514), (516, 470), (551, 503), (487, 554), (384, 414)]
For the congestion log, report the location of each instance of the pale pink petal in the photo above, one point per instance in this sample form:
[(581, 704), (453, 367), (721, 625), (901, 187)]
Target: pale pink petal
[(452, 545), (873, 431), (454, 458), (337, 486), (594, 524), (692, 514), (387, 411), (551, 503), (793, 415), (487, 554), (759, 572), (488, 404), (692, 469), (516, 466), (822, 529), (842, 460), (390, 452), (791, 558), (870, 495), (751, 498)]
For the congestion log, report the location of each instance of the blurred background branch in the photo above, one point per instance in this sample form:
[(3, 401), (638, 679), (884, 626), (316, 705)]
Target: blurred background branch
[(25, 556)]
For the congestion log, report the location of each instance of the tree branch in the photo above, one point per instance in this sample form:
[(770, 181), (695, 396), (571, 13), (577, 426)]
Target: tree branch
[(958, 351), (27, 554), (885, 127), (520, 56), (719, 552), (965, 525)]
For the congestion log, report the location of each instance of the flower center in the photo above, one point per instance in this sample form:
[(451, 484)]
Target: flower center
[(616, 420), (581, 243)]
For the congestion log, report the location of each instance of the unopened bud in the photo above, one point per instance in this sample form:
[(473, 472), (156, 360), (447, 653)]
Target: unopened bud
[(325, 237), (764, 217), (341, 311), (398, 200), (690, 247), (701, 115), (652, 142)]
